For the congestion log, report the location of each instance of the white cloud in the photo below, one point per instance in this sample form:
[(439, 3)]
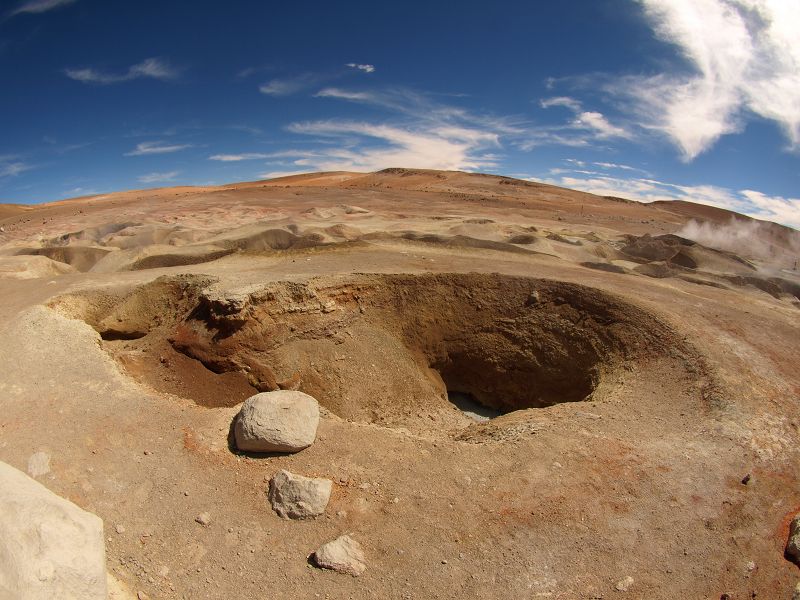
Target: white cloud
[(565, 101), (287, 86), (12, 168), (340, 94), (373, 147), (748, 202), (744, 55), (146, 148), (586, 127), (420, 107), (774, 208), (365, 68), (239, 157), (276, 174), (159, 177), (597, 123), (39, 6), (153, 68), (290, 85), (608, 165)]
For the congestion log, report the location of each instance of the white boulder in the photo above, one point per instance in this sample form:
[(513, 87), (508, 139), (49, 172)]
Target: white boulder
[(49, 548), (281, 421), (343, 555), (297, 497)]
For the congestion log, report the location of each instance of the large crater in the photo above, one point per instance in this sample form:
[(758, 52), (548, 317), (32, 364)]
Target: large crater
[(387, 349)]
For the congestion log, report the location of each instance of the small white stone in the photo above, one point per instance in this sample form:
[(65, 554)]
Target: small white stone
[(119, 528), (624, 584), (343, 555), (39, 464), (204, 519)]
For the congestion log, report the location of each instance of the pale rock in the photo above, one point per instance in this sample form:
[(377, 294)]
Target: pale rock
[(39, 464), (49, 548), (793, 545), (297, 497), (625, 584), (343, 555), (204, 519), (280, 421)]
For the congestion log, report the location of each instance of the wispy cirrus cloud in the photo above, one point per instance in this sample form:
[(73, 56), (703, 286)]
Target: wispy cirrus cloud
[(11, 166), (740, 57), (415, 131), (159, 177), (276, 174), (291, 85), (239, 157), (587, 120), (422, 108), (152, 68), (39, 6), (304, 82), (565, 101), (146, 148)]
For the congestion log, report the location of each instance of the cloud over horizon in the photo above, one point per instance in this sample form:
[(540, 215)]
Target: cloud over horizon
[(159, 177), (644, 189)]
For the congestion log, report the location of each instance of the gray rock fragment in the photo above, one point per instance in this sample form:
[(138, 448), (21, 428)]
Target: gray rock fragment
[(297, 497)]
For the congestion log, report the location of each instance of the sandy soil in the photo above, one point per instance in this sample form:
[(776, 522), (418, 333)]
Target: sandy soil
[(642, 377)]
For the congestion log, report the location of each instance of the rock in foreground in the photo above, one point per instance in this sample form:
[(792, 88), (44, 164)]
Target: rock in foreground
[(343, 555), (49, 548), (297, 497), (282, 421), (793, 545)]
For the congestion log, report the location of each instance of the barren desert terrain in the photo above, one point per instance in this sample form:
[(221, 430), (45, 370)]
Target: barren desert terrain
[(631, 396)]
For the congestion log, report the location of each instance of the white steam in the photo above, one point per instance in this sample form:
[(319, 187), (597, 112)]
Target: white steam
[(774, 244)]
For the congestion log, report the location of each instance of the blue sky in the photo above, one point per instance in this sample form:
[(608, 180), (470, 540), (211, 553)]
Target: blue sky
[(647, 99)]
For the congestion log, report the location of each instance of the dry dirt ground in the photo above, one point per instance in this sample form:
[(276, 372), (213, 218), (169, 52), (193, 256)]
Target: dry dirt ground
[(640, 376)]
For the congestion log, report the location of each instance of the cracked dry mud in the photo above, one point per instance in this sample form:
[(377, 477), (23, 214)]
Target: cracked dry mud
[(638, 378)]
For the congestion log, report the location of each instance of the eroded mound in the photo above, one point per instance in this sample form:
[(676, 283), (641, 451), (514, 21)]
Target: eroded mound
[(377, 348)]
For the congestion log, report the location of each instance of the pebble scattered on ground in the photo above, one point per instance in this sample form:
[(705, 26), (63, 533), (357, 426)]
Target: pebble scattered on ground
[(624, 584)]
